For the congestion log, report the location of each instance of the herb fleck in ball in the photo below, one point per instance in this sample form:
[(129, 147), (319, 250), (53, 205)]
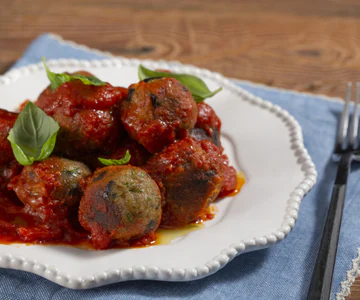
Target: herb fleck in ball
[(120, 203), (157, 112)]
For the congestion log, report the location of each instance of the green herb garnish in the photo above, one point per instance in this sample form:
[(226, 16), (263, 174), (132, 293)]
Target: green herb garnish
[(116, 162), (130, 217), (57, 79), (33, 136), (196, 86)]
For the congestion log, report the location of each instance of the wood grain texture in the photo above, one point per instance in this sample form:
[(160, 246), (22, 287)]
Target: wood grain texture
[(306, 45)]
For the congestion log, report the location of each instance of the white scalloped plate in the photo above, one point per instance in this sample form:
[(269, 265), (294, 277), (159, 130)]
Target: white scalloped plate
[(260, 138)]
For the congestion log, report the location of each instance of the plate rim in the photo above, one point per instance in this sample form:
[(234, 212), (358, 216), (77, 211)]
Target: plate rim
[(307, 166)]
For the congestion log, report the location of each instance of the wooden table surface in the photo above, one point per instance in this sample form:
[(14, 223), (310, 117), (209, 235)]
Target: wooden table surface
[(307, 45)]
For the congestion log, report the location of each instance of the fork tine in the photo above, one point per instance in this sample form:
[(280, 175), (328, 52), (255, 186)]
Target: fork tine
[(353, 141), (344, 121)]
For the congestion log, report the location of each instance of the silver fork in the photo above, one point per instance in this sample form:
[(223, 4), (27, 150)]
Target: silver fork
[(346, 150)]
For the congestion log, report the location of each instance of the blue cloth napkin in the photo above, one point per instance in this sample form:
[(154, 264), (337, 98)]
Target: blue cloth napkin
[(280, 272)]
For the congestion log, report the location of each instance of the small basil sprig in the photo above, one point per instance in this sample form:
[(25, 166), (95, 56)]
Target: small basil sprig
[(196, 86), (116, 162), (33, 136), (57, 79)]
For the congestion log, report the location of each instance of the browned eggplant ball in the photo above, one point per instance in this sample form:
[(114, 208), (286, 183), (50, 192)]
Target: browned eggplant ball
[(189, 174), (120, 203), (7, 121), (9, 171), (229, 178), (87, 115), (207, 125), (49, 185), (139, 155), (158, 111)]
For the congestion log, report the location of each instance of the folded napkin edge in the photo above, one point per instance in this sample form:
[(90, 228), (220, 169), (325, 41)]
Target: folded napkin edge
[(351, 275)]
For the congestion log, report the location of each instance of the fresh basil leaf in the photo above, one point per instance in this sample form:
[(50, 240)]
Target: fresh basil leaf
[(57, 79), (33, 136), (196, 86), (88, 80), (116, 162), (48, 147), (19, 154)]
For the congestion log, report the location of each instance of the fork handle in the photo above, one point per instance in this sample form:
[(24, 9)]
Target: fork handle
[(320, 286)]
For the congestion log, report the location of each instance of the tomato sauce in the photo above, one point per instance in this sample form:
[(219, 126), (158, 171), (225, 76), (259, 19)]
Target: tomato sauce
[(240, 181), (13, 219), (89, 118), (16, 226)]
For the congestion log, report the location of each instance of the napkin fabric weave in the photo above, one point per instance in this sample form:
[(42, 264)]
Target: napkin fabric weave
[(282, 271)]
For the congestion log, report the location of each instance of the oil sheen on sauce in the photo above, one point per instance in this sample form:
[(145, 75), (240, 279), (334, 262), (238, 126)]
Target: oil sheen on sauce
[(240, 181), (166, 236), (79, 238)]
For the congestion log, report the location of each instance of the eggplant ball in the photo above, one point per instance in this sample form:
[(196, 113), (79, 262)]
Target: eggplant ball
[(229, 178), (9, 171), (87, 116), (158, 111), (7, 121), (120, 203), (139, 155), (50, 185), (207, 125), (189, 174)]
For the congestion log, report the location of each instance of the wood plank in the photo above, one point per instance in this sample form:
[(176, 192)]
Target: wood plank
[(289, 44)]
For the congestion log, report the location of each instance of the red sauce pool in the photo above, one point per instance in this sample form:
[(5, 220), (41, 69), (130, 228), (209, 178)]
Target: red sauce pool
[(13, 220)]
